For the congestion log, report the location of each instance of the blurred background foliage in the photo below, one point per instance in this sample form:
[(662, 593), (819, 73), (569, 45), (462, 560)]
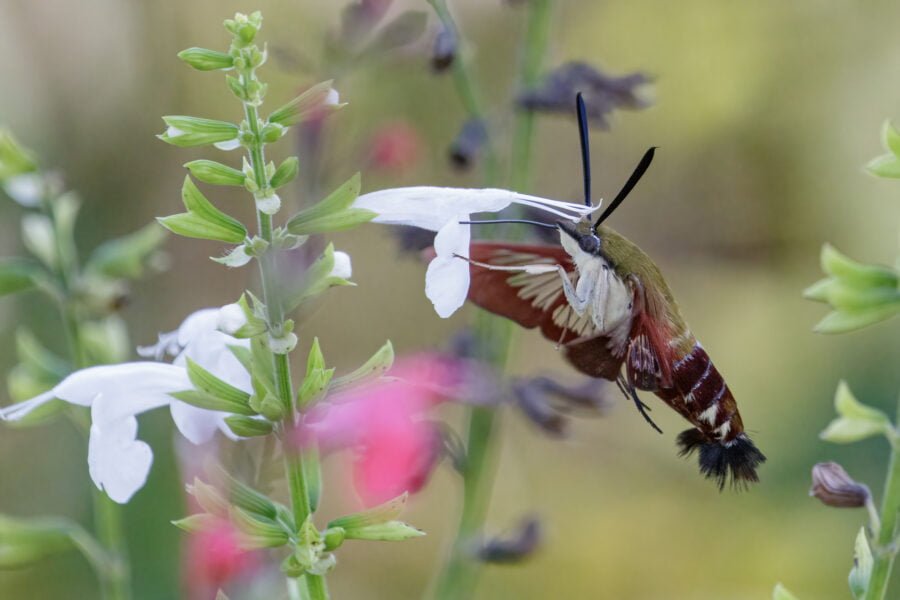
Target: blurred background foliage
[(764, 114)]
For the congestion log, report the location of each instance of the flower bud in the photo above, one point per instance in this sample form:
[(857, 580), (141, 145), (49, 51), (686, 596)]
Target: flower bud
[(208, 498), (248, 426), (272, 132), (521, 545), (186, 131), (834, 487), (333, 538), (271, 408), (285, 173), (258, 532), (316, 102), (444, 51), (469, 143), (206, 60)]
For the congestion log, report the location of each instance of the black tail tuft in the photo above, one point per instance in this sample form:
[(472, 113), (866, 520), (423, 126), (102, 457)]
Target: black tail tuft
[(735, 461)]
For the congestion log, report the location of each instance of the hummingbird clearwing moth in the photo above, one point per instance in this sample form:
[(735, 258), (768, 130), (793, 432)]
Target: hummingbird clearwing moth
[(606, 305)]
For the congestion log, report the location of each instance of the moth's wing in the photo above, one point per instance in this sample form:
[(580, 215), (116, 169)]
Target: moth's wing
[(649, 358), (537, 300)]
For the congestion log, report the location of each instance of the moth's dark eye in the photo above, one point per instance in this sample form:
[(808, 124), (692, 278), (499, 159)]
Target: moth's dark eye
[(590, 244)]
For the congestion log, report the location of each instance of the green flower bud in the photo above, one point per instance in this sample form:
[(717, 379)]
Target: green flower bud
[(334, 213), (392, 531), (206, 60), (250, 500), (333, 538), (210, 171), (285, 173), (197, 523), (248, 426), (237, 88), (272, 132), (861, 573), (209, 499), (376, 515), (258, 532)]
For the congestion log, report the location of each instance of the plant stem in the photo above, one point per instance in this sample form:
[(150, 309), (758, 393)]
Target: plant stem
[(467, 90), (534, 47), (296, 477), (114, 575), (885, 548)]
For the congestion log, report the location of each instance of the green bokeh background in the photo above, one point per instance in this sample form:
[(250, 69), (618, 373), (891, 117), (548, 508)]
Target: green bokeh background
[(764, 113)]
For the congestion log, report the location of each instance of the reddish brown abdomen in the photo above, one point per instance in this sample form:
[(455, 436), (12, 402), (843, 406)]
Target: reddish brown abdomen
[(703, 398)]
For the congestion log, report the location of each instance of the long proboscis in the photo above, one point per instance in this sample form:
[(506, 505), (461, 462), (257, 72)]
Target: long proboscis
[(636, 175), (584, 135)]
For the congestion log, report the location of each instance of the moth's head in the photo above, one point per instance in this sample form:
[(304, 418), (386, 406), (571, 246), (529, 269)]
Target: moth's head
[(579, 236)]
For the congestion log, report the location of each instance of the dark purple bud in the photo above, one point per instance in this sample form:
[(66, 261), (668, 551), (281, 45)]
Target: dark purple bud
[(602, 93), (444, 51), (834, 487), (452, 446), (521, 545), (358, 18), (469, 142)]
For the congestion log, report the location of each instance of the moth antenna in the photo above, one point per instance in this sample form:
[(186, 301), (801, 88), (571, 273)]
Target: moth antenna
[(524, 221), (585, 146), (639, 171)]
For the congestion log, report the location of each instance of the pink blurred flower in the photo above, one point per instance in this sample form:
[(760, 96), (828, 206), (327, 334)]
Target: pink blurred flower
[(395, 147), (215, 558), (395, 447)]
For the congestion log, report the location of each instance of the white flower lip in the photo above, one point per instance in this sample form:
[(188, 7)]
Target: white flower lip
[(117, 461), (441, 209), (343, 268)]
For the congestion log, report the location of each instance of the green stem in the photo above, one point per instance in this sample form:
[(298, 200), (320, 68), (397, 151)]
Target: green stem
[(296, 477), (115, 574), (885, 548), (467, 90), (534, 47)]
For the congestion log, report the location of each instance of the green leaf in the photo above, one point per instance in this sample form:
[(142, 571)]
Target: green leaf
[(886, 165), (856, 421), (206, 60), (333, 213), (781, 593), (203, 220), (18, 275), (201, 399), (215, 173), (248, 426), (285, 173), (317, 100), (205, 381), (843, 321), (186, 131), (14, 158), (392, 531), (376, 515), (26, 541), (862, 566), (128, 256)]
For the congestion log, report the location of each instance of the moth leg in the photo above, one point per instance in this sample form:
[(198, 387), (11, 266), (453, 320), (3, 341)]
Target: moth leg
[(578, 303), (631, 394)]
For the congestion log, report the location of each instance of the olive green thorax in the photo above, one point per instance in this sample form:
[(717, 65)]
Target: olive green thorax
[(628, 259)]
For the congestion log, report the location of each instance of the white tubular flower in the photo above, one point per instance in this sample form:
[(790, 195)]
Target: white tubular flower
[(441, 209), (118, 462)]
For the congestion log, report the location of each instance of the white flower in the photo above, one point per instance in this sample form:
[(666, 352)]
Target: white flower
[(227, 145), (342, 266), (230, 318), (332, 98), (441, 209), (118, 462)]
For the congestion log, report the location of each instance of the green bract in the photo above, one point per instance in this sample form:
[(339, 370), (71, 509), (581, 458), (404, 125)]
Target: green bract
[(14, 159), (319, 100), (195, 131), (887, 165), (862, 566), (856, 421), (860, 294), (334, 213), (210, 171)]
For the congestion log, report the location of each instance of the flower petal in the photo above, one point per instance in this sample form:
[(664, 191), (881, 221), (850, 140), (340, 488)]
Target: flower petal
[(447, 278), (26, 189), (118, 462), (196, 424), (431, 207), (128, 388), (343, 268)]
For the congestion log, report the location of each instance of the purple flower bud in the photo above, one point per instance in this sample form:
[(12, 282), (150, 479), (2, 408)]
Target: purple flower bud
[(602, 93), (834, 487), (519, 546), (469, 142), (444, 50)]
